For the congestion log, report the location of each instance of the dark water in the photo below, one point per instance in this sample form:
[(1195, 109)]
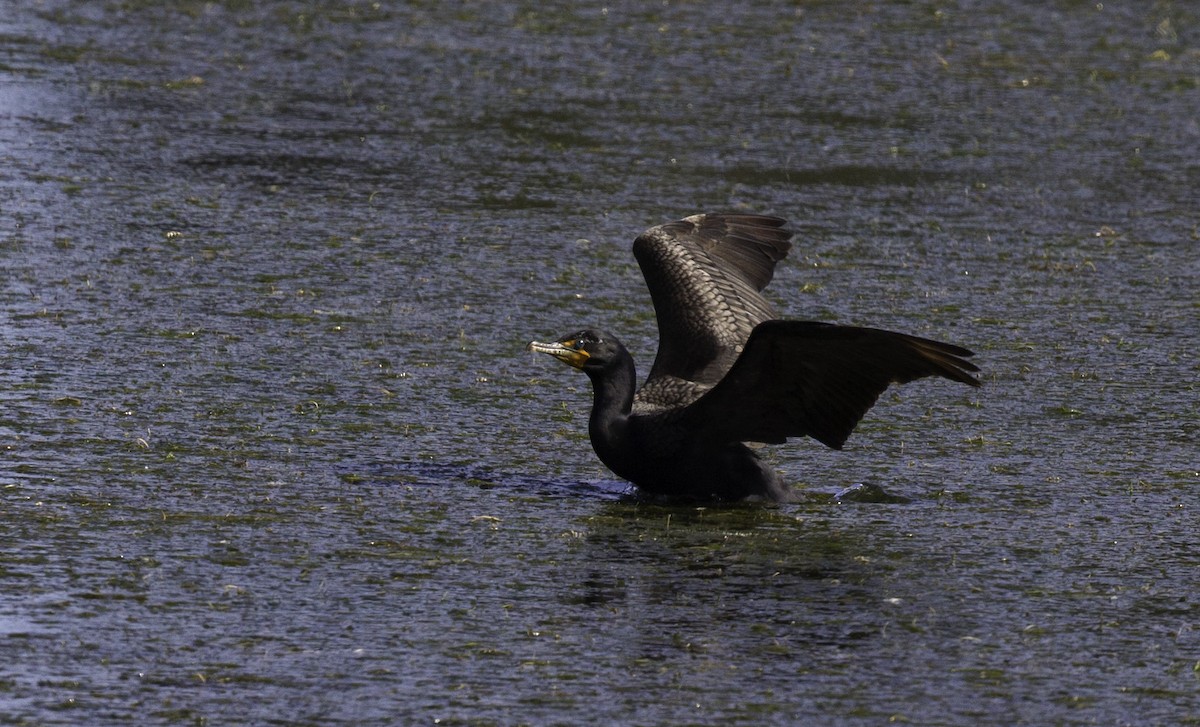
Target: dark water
[(272, 452)]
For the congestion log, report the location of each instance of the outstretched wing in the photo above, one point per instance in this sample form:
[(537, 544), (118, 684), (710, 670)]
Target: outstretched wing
[(799, 378), (705, 274)]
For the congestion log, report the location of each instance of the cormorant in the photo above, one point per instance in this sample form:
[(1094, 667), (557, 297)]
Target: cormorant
[(728, 372)]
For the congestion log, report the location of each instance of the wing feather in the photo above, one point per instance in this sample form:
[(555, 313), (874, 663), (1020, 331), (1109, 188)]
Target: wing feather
[(705, 274), (800, 378)]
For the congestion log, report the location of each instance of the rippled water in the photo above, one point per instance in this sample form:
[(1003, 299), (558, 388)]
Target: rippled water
[(272, 452)]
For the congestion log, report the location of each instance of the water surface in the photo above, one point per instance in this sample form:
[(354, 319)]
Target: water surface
[(273, 454)]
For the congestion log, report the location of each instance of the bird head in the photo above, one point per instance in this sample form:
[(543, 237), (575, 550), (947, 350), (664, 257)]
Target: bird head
[(585, 350)]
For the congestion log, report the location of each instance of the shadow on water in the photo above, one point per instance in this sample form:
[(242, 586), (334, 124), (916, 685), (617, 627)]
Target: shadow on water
[(688, 591), (679, 559), (700, 589), (441, 474)]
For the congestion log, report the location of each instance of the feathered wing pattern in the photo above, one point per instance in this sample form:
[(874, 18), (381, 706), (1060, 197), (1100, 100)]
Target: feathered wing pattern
[(705, 274), (799, 378)]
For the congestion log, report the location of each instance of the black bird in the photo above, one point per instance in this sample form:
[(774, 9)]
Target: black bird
[(727, 372)]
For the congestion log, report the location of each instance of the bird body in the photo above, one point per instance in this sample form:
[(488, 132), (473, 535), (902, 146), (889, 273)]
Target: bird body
[(727, 372)]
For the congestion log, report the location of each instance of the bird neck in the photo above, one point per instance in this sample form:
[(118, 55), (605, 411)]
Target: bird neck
[(613, 390)]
